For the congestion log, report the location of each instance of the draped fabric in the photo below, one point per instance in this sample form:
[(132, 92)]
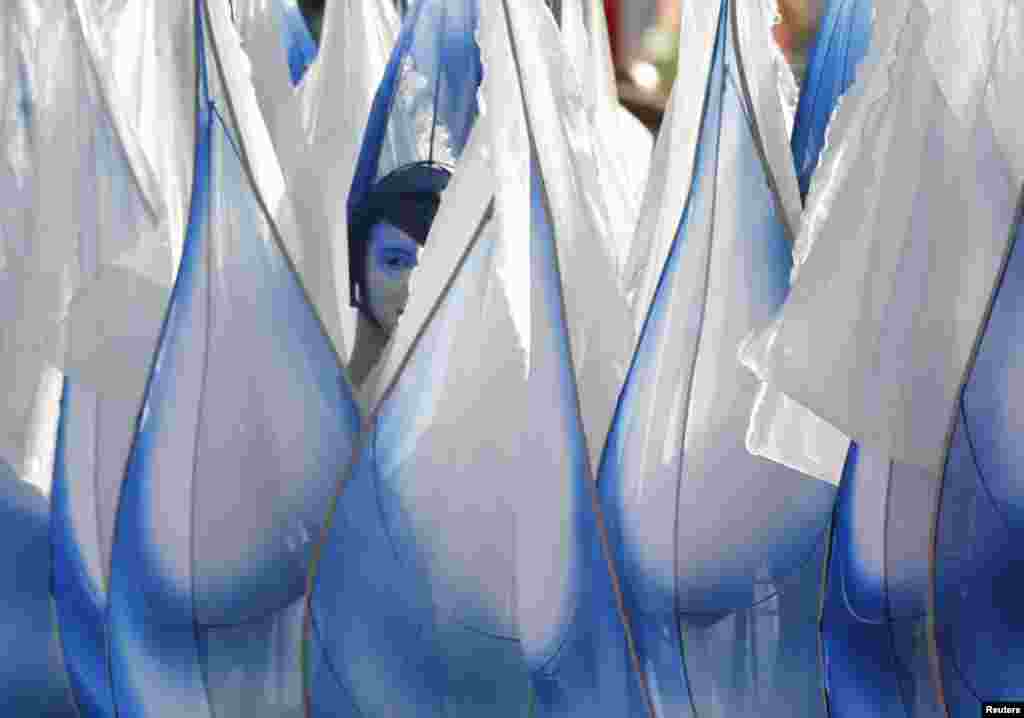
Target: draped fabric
[(425, 105), (422, 113), (672, 162), (720, 552), (281, 25), (921, 559), (246, 424), (32, 680), (317, 130), (781, 429), (622, 144), (444, 587), (978, 624), (920, 555), (874, 618), (885, 361), (32, 289), (412, 604), (123, 205), (874, 612), (280, 49), (297, 39), (839, 46), (574, 637), (554, 112)]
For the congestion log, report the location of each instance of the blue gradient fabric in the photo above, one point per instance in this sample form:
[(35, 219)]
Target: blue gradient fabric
[(979, 566), (247, 422), (874, 627), (462, 573), (839, 46), (297, 40), (574, 329), (919, 616), (424, 107), (917, 605), (874, 612), (412, 608), (575, 641), (32, 680), (118, 203), (105, 374), (426, 102), (720, 552)]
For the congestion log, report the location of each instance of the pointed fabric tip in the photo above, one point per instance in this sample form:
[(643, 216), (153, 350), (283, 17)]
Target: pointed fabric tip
[(571, 620), (248, 423), (574, 637), (443, 587), (622, 146), (317, 129), (840, 45), (412, 601), (508, 131), (781, 429), (720, 552), (110, 346), (412, 606), (596, 312), (297, 39)]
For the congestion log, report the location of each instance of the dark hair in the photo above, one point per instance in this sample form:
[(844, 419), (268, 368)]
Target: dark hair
[(407, 198)]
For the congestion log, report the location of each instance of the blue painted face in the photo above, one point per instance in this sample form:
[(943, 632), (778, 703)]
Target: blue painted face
[(390, 259)]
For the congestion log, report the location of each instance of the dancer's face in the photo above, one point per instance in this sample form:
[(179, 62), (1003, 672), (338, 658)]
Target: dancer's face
[(390, 259)]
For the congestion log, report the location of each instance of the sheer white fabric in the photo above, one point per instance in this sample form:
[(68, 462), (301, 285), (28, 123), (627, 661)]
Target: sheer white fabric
[(781, 429), (108, 198), (622, 145), (907, 226), (30, 289), (317, 130)]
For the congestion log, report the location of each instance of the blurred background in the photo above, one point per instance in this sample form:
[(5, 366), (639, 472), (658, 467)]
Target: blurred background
[(645, 40)]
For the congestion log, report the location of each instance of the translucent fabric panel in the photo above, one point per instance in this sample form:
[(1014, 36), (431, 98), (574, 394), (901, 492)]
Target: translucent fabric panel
[(978, 563), (575, 641), (781, 429), (622, 144), (297, 39), (412, 608), (279, 49), (462, 565), (33, 289), (247, 423), (317, 129), (839, 46), (32, 680), (875, 612), (554, 119), (334, 104), (577, 335), (120, 209), (275, 33), (867, 340), (426, 103), (720, 552)]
